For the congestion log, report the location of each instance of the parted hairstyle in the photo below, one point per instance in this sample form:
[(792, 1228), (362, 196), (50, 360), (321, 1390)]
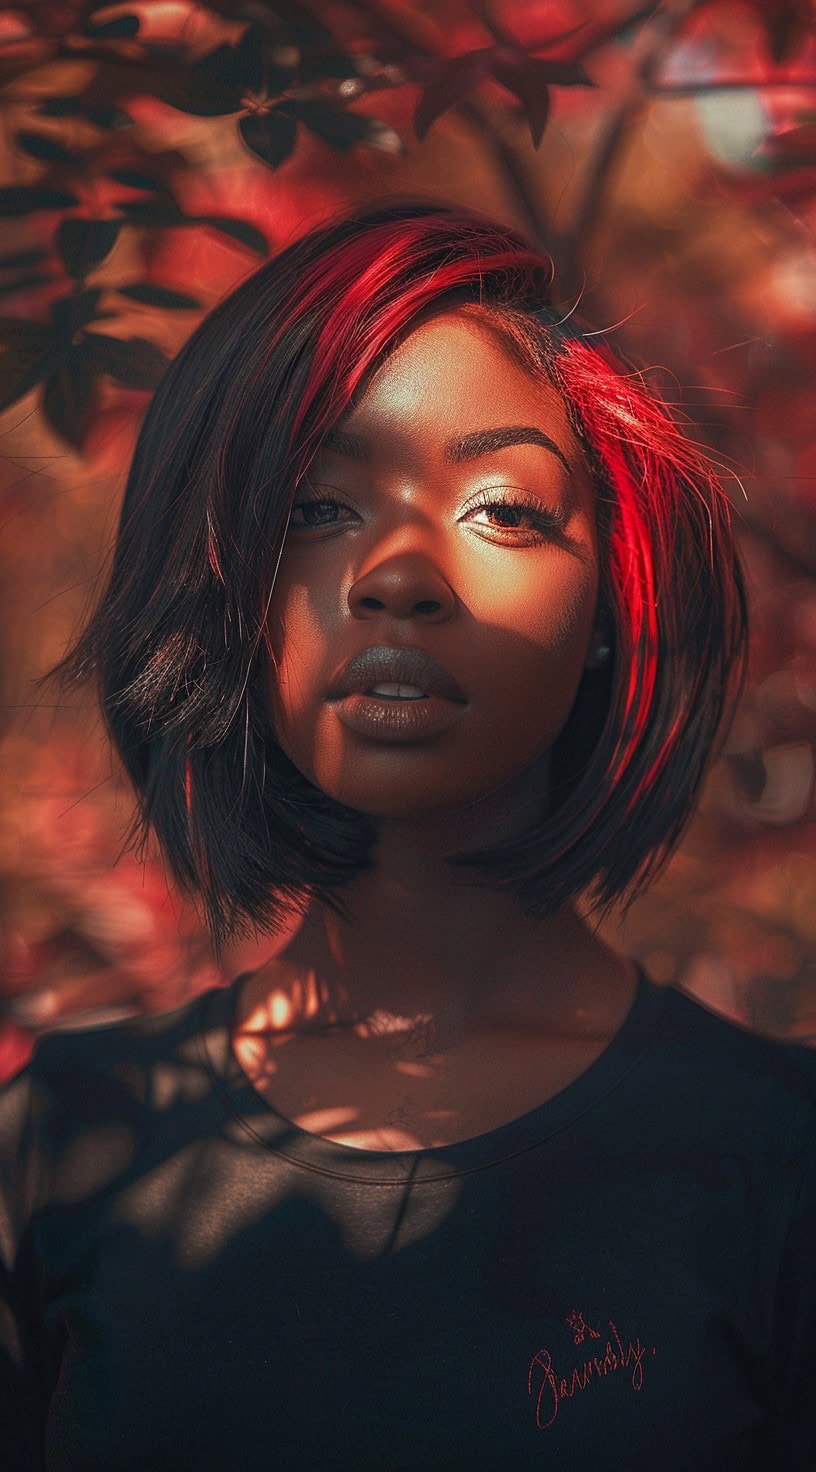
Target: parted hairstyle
[(177, 645)]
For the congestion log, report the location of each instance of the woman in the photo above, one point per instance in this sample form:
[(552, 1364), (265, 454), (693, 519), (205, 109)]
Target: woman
[(423, 623)]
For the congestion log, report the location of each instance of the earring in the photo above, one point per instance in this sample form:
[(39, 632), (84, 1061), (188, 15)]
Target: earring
[(598, 656)]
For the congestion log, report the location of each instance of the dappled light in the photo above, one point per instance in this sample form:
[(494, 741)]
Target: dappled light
[(669, 174), (370, 1089)]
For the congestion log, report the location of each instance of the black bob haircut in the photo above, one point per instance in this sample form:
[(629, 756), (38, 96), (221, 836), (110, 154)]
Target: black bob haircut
[(177, 649)]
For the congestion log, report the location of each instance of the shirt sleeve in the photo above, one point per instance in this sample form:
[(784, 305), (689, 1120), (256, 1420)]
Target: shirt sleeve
[(23, 1348), (792, 1430)]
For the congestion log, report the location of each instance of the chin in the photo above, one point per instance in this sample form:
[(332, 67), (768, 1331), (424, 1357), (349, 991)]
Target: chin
[(408, 799), (410, 806), (402, 797)]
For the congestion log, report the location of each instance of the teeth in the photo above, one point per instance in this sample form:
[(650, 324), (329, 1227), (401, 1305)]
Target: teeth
[(403, 692)]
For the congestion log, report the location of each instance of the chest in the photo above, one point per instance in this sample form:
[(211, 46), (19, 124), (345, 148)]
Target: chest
[(403, 1094), (241, 1313)]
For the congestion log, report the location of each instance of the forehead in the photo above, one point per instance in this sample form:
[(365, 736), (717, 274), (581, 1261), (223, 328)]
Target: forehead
[(453, 372)]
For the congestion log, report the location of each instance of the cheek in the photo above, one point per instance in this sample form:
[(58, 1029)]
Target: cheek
[(564, 618), (532, 666), (296, 642), (542, 631)]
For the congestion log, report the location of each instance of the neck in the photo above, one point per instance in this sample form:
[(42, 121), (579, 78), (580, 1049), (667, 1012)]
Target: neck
[(423, 947)]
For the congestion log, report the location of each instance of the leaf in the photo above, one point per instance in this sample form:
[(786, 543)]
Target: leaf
[(15, 63), (620, 28), (533, 95), (145, 212), (70, 313), (109, 118), (26, 282), (558, 73), (61, 107), (39, 146), (83, 244), (304, 29), (21, 335), (788, 25), (21, 370), (237, 69), (335, 125), (455, 79), (238, 229), (158, 296), (23, 258), (270, 136), (163, 217), (124, 27), (337, 65), (193, 92), (24, 199), (789, 148), (135, 179), (71, 107), (133, 361), (72, 398)]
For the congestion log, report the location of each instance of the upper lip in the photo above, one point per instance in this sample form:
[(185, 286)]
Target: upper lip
[(406, 666)]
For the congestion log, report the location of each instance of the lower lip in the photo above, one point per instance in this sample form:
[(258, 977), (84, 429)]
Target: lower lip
[(398, 720)]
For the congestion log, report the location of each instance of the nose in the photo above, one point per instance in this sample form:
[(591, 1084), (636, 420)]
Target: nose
[(404, 587)]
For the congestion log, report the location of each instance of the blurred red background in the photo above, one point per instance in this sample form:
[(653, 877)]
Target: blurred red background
[(153, 154)]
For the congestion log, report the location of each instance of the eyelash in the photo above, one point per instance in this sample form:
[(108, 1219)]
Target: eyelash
[(548, 523)]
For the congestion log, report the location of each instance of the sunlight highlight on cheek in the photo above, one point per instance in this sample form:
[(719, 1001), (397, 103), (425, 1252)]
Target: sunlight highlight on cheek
[(298, 640), (576, 609), (553, 608)]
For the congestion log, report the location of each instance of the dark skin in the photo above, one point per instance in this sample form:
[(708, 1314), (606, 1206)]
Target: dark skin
[(437, 1011)]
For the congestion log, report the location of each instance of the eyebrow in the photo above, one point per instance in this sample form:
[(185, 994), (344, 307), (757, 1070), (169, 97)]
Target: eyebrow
[(469, 447)]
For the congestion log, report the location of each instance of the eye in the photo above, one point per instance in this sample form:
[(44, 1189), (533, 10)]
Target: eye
[(522, 507), (313, 510)]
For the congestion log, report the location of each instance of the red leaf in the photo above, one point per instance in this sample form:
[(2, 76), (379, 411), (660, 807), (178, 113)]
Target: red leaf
[(455, 79), (790, 146), (534, 97), (71, 399), (20, 370), (133, 361), (270, 136), (27, 337), (788, 23), (554, 73)]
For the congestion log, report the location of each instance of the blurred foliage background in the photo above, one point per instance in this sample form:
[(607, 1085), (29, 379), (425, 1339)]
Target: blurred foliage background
[(154, 153)]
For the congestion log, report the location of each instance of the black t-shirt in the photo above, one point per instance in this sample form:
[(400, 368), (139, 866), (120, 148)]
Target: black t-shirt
[(623, 1277)]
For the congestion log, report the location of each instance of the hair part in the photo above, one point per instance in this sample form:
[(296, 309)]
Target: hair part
[(177, 645)]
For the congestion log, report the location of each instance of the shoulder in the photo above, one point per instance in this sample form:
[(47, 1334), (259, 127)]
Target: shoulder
[(95, 1105), (696, 1025), (760, 1085), (76, 1073)]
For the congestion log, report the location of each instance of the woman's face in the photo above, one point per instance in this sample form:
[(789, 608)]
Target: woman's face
[(394, 552)]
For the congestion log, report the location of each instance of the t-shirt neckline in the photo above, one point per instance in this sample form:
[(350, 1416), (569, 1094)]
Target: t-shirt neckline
[(259, 1118)]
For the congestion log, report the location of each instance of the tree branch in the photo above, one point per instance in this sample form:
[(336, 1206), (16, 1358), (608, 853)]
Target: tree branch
[(650, 48)]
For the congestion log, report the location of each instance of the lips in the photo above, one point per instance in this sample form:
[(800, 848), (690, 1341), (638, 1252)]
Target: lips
[(381, 664)]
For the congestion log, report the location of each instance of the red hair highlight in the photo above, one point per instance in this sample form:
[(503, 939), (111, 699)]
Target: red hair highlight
[(178, 641)]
